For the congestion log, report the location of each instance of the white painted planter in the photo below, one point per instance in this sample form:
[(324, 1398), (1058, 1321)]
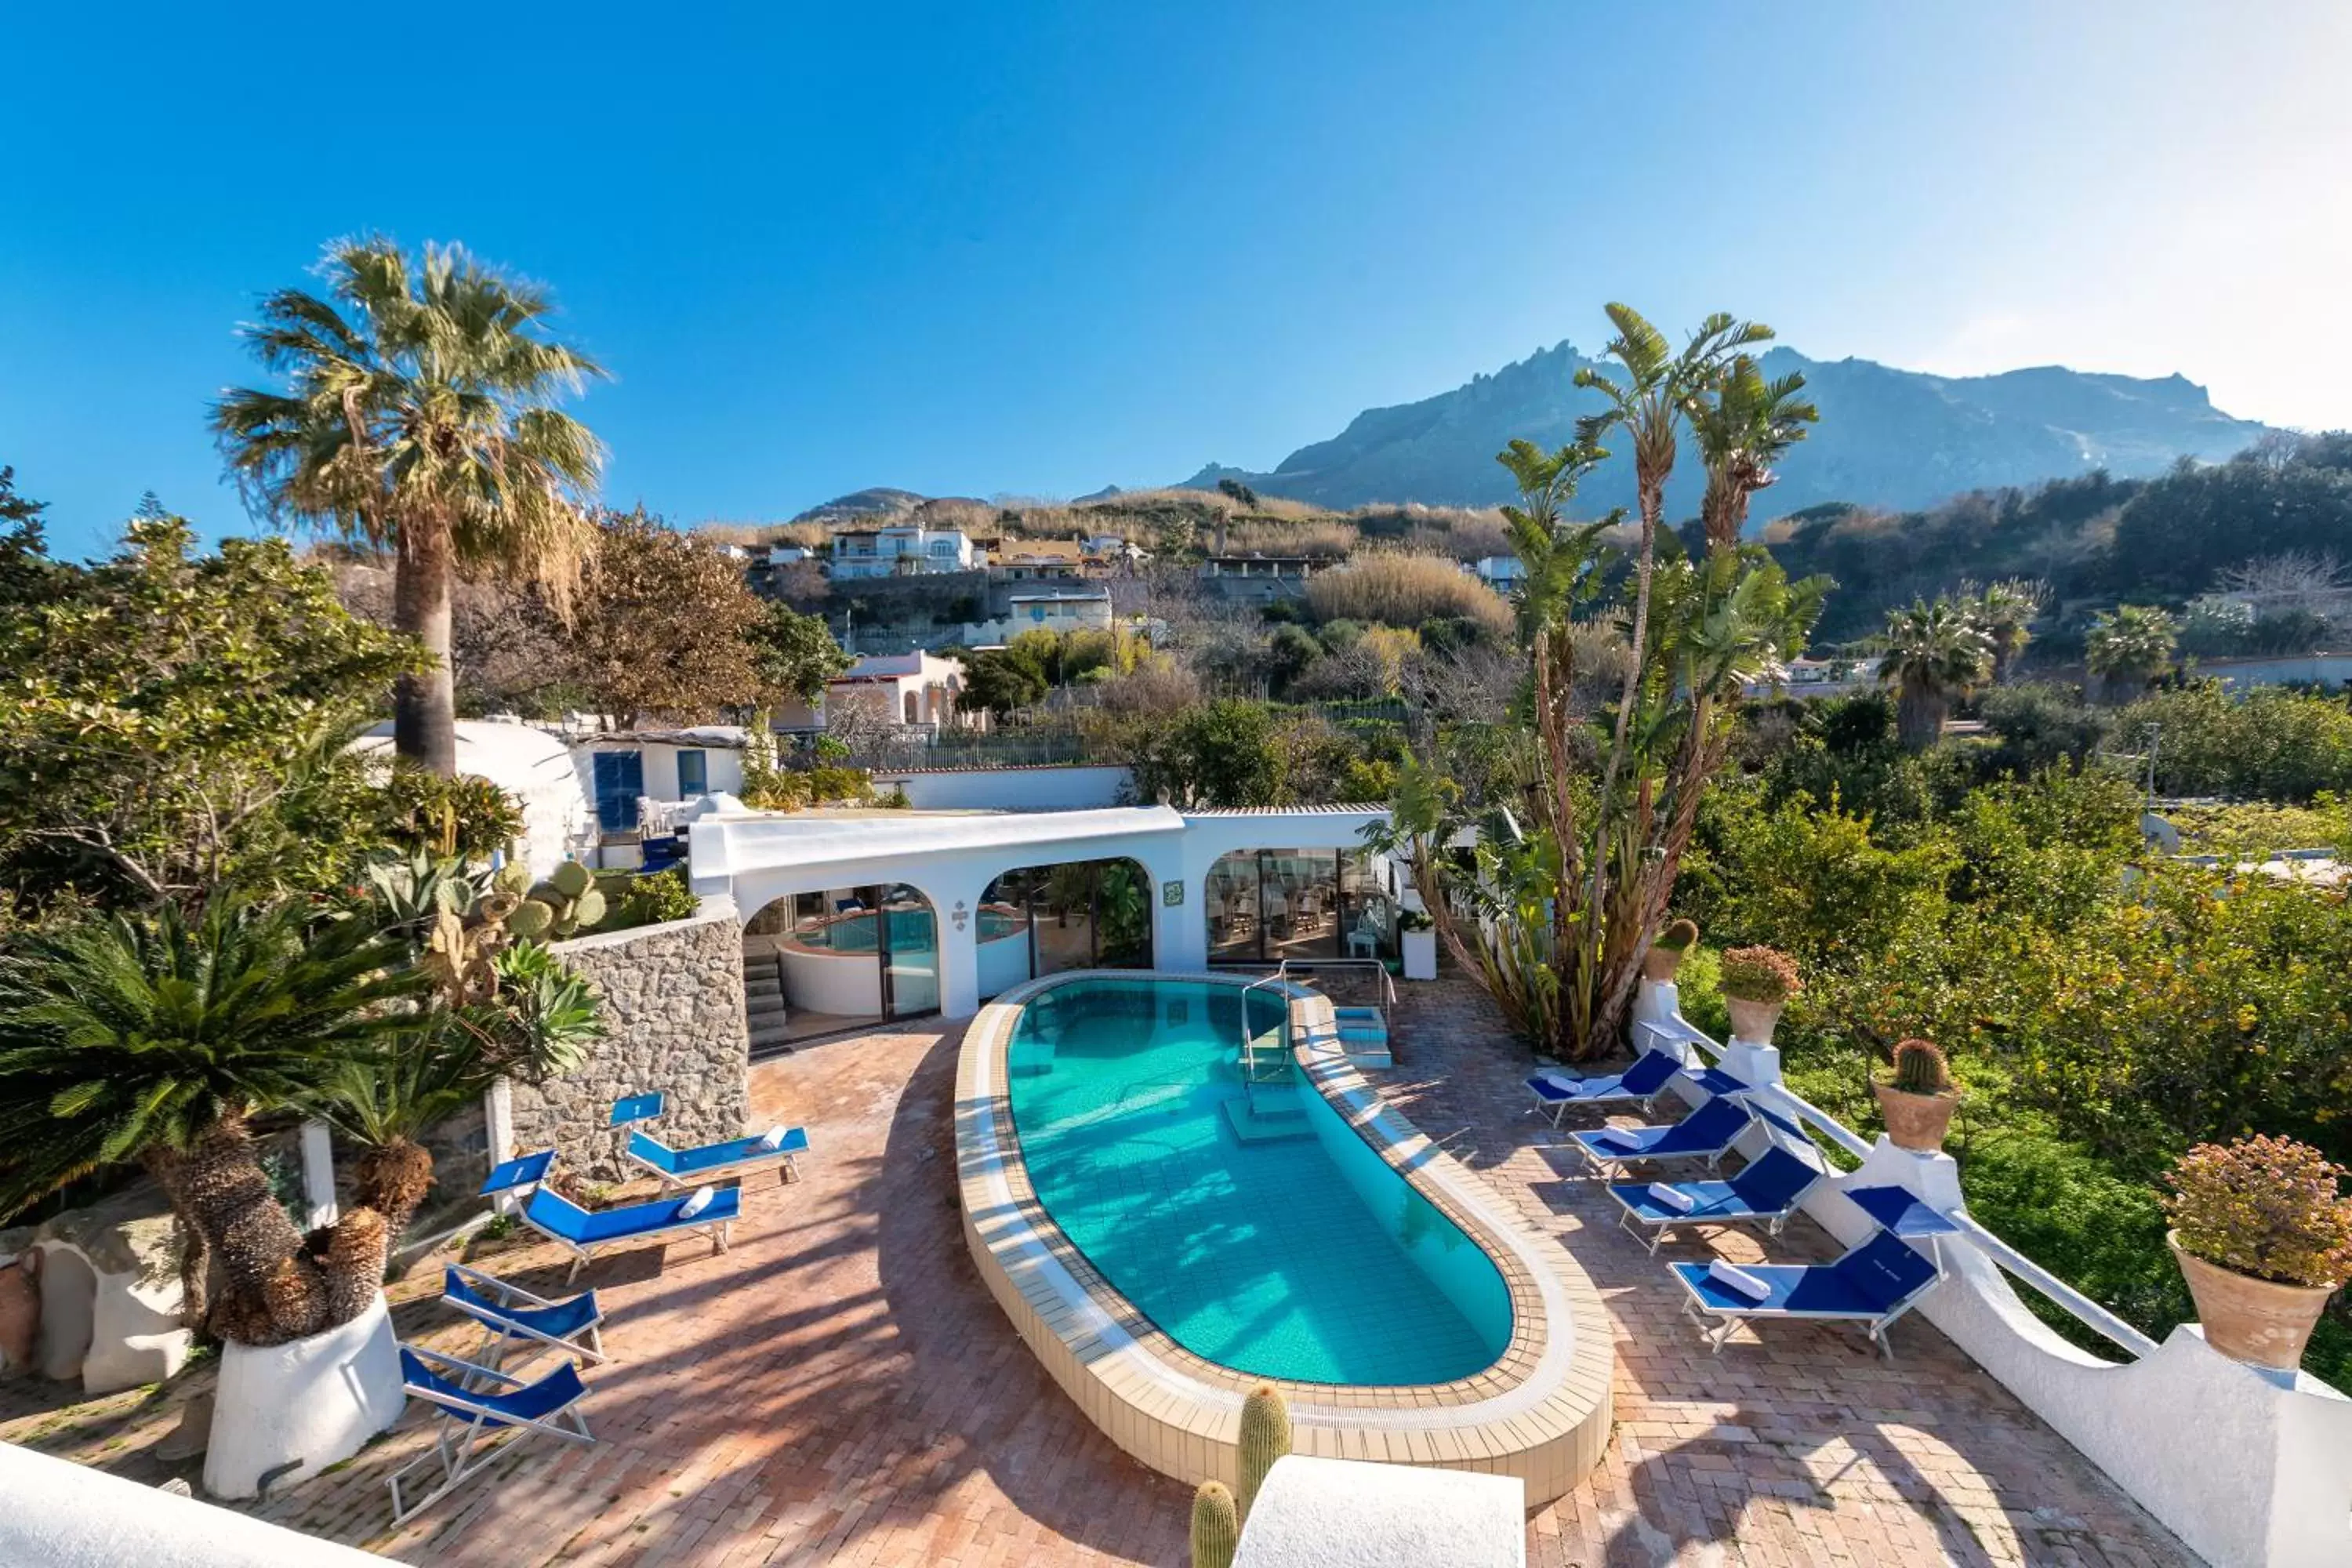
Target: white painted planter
[(317, 1401), (1420, 954)]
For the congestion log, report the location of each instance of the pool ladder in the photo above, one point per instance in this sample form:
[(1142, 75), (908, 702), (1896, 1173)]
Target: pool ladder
[(1258, 1065)]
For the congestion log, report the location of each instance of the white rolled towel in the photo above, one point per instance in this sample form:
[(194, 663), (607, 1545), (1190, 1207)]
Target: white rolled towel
[(773, 1138), (696, 1203), (1560, 1081), (1617, 1138), (1672, 1197), (1737, 1279)]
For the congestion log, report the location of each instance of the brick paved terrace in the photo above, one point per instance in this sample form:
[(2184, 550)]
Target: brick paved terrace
[(839, 1388)]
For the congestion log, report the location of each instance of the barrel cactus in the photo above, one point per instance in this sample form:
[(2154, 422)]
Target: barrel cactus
[(1921, 1069), (1216, 1526), (566, 904), (1264, 1437)]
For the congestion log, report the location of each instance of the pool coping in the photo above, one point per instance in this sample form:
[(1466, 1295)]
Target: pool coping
[(1540, 1412)]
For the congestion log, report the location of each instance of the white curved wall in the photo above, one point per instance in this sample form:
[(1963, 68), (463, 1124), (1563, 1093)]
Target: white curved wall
[(528, 763), (54, 1514)]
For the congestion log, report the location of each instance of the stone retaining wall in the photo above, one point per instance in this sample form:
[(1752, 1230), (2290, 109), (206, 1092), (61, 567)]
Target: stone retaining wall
[(673, 998)]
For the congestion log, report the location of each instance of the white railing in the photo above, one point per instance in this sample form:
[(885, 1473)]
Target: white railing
[(2011, 1262)]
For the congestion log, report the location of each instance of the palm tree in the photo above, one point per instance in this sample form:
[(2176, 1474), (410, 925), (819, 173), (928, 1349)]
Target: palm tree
[(1932, 653), (417, 417), (155, 1040), (1650, 404), (2130, 647), (1742, 430), (2006, 611)]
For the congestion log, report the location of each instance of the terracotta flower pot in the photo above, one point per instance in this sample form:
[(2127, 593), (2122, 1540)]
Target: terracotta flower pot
[(2255, 1321), (1753, 1020), (1916, 1121), (1660, 963)]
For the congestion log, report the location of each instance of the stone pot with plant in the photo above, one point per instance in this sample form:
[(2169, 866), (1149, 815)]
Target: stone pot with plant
[(1665, 954), (1756, 982), (1918, 1101), (2264, 1234)]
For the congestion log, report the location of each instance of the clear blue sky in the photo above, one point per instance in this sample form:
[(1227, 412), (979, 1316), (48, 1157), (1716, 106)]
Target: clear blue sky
[(1034, 250)]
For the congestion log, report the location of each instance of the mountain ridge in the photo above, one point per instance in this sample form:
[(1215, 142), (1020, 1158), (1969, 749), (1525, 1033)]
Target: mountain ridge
[(1888, 437)]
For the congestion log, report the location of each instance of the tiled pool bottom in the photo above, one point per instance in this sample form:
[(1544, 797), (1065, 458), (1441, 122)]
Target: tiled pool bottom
[(1259, 1254)]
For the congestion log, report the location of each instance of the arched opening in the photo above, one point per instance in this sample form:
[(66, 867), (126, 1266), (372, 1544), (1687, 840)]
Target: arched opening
[(829, 961), (1080, 914), (1265, 905)]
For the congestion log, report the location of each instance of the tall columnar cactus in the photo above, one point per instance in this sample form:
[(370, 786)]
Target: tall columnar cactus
[(566, 904), (1264, 1437), (1216, 1526)]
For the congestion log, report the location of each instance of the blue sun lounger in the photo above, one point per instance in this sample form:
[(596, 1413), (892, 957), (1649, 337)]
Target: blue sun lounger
[(586, 1232), (509, 1313), (1873, 1285), (1640, 1083), (479, 1403), (1705, 1133), (692, 1167), (1650, 1076), (735, 1157), (1767, 1189)]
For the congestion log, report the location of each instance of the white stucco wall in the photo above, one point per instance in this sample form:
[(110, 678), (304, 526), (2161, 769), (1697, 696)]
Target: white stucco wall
[(534, 766), (55, 1514), (1314, 1512)]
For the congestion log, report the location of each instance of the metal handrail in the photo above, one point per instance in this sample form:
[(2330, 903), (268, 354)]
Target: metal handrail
[(2006, 1257), (1388, 981), (1249, 1041)]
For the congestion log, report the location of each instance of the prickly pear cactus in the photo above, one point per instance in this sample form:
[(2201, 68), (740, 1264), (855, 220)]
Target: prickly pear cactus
[(566, 904)]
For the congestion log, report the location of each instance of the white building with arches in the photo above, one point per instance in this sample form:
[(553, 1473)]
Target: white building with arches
[(894, 913)]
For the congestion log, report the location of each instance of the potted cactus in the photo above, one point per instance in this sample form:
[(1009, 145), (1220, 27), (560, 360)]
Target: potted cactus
[(1756, 982), (1665, 954), (2263, 1235), (1917, 1102)]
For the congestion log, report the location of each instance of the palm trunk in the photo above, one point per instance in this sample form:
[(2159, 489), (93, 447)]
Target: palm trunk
[(271, 1290), (425, 706), (1919, 718)]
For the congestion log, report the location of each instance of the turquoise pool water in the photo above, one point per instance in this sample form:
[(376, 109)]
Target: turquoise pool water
[(911, 930), (1304, 1258)]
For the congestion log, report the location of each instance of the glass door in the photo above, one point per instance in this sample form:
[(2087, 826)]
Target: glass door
[(909, 953)]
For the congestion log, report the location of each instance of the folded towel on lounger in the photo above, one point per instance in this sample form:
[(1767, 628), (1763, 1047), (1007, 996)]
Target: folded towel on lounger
[(696, 1203), (1617, 1138), (1672, 1197), (1738, 1280), (773, 1138)]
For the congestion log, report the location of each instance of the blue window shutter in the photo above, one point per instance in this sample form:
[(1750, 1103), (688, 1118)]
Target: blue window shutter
[(620, 780), (693, 776)]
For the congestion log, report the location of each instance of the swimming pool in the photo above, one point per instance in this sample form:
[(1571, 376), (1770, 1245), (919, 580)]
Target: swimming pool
[(1293, 1251), (911, 930)]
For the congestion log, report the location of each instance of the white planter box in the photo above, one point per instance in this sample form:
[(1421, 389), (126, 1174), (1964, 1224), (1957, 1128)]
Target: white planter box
[(1420, 954), (314, 1402)]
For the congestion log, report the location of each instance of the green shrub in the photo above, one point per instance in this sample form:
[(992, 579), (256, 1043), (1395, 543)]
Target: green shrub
[(659, 899)]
